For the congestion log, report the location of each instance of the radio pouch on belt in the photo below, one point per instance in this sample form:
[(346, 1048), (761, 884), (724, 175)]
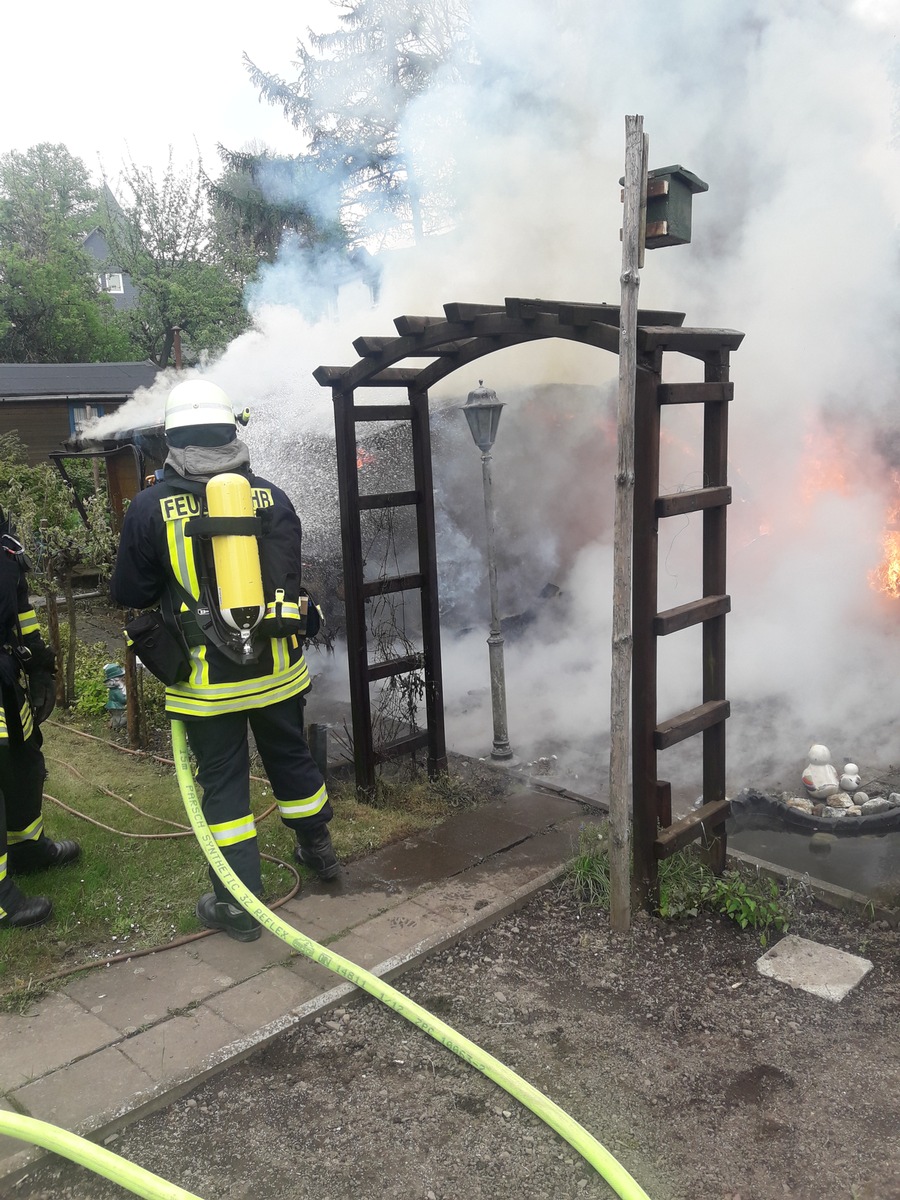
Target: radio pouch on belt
[(160, 650)]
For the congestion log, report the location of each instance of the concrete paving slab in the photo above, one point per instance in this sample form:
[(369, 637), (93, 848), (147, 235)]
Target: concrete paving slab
[(401, 928), (86, 1094), (266, 998), (536, 810), (232, 961), (29, 1053), (180, 1048), (147, 989), (361, 951), (461, 898), (812, 967), (486, 835), (333, 912), (418, 861)]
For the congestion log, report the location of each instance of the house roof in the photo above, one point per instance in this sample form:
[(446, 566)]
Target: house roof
[(46, 381)]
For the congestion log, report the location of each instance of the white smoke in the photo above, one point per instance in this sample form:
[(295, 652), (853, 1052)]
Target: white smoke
[(786, 110)]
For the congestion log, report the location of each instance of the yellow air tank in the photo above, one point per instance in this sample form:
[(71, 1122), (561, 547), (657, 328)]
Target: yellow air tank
[(236, 556)]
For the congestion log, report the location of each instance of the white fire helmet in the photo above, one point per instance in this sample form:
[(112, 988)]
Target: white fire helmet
[(197, 402)]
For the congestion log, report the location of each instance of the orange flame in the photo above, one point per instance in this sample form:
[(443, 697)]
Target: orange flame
[(364, 458), (886, 578), (821, 469)]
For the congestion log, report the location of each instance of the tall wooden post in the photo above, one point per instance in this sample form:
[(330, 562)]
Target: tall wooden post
[(620, 694)]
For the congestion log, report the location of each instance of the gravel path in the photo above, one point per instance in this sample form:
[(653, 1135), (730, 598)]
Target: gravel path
[(706, 1080)]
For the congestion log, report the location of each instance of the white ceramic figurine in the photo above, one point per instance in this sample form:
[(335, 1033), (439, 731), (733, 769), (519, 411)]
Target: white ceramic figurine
[(850, 780), (820, 777)]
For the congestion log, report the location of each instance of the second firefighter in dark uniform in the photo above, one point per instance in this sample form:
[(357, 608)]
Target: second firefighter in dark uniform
[(27, 692), (160, 562)]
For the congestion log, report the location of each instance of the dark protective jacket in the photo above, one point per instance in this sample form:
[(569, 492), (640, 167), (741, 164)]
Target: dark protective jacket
[(18, 629), (156, 556)]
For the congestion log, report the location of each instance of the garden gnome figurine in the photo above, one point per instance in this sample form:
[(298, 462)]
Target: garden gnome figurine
[(850, 780), (820, 777), (116, 696)]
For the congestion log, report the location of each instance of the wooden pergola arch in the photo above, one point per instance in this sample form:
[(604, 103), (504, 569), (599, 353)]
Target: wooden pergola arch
[(465, 333)]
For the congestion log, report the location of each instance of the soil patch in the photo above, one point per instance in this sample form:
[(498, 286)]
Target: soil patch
[(706, 1080)]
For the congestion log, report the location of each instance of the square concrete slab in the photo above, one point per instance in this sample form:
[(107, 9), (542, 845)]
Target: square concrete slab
[(821, 970)]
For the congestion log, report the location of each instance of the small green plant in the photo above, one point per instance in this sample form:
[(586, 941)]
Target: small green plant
[(751, 901), (687, 886), (588, 872)]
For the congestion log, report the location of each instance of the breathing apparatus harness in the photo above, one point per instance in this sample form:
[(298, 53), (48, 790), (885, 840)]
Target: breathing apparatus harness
[(231, 603)]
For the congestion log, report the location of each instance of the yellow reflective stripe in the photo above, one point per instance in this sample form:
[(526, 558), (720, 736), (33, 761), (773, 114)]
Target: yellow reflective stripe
[(31, 833), (304, 808), (28, 621), (181, 556), (288, 609), (281, 656), (4, 734), (3, 859), (228, 833), (27, 721), (199, 668), (202, 706), (231, 697)]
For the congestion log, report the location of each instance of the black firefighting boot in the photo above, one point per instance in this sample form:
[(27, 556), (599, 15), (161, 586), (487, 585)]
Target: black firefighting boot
[(314, 850), (21, 911), (27, 857), (220, 914)]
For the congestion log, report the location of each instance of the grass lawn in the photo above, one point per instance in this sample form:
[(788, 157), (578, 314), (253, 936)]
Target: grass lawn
[(129, 892)]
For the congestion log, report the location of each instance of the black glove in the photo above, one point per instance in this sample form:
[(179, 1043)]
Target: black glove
[(42, 688), (41, 671), (41, 659)]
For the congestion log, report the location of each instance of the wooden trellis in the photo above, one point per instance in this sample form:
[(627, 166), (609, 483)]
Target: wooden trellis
[(465, 333)]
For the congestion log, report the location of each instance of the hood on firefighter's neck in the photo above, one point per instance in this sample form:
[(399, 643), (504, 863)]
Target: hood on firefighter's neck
[(198, 464)]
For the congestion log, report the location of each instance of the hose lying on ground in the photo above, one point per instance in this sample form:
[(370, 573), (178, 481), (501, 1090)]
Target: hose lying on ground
[(576, 1135), (96, 1158), (150, 1186)]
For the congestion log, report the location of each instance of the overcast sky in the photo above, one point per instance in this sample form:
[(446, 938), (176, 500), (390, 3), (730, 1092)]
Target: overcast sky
[(109, 79)]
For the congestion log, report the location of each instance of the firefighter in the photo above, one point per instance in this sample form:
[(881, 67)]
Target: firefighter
[(27, 696), (234, 671)]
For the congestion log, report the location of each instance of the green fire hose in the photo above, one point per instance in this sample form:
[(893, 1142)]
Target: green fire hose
[(96, 1158), (578, 1137), (150, 1186)]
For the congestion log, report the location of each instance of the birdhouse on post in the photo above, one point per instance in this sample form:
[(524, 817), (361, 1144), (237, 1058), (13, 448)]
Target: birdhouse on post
[(669, 195)]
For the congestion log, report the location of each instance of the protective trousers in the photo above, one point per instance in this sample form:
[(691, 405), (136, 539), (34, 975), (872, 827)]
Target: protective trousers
[(22, 774), (220, 746)]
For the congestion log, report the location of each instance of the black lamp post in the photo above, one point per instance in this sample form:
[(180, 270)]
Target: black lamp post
[(482, 409)]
